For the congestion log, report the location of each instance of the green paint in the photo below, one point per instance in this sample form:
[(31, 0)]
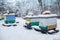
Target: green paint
[(43, 28), (37, 24), (1, 18), (34, 23), (10, 21)]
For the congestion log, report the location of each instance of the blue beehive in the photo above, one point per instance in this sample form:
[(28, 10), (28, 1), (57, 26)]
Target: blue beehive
[(10, 19)]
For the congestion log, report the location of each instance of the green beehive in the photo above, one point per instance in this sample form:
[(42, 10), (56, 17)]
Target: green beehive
[(44, 22)]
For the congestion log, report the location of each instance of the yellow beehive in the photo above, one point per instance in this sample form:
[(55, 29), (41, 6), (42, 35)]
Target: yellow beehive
[(3, 16), (27, 19)]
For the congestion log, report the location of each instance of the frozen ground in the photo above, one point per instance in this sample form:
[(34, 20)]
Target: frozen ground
[(20, 33)]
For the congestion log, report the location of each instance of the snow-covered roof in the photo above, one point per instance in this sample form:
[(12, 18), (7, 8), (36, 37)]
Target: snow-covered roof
[(10, 14), (41, 15), (46, 12)]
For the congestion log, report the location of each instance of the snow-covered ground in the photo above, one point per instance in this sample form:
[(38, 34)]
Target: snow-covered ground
[(20, 33)]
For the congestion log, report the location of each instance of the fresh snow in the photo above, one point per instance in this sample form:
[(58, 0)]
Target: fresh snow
[(20, 33)]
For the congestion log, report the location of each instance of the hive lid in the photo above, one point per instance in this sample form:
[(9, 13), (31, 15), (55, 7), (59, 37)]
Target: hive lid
[(41, 15), (10, 14)]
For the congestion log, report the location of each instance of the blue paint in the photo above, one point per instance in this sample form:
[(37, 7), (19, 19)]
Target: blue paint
[(10, 17)]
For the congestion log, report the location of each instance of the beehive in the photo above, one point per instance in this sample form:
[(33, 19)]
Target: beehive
[(10, 18), (44, 22), (2, 17)]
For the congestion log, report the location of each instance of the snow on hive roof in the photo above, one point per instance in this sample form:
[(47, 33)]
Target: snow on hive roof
[(46, 12)]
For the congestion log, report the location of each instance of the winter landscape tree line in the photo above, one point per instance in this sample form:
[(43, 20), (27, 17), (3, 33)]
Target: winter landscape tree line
[(22, 7)]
